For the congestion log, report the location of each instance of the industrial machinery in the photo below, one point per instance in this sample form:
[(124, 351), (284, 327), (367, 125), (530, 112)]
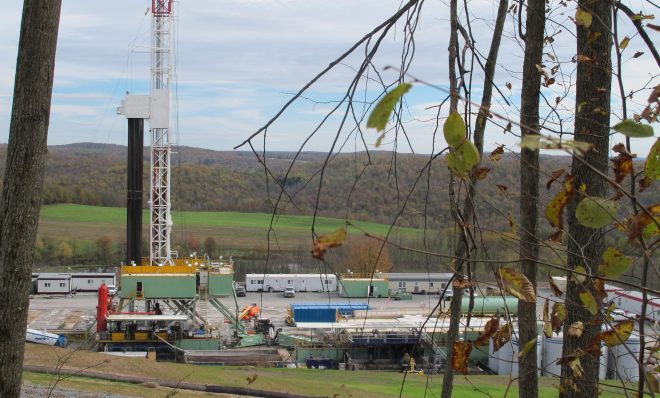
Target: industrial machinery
[(163, 299)]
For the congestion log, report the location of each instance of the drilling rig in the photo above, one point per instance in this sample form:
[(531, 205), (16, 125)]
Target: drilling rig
[(162, 298)]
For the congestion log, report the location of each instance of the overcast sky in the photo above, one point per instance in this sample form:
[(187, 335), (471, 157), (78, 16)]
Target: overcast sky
[(239, 61)]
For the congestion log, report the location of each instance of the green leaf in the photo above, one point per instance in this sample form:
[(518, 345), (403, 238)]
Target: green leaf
[(614, 263), (583, 18), (652, 165), (454, 130), (631, 128), (463, 159), (595, 212), (589, 302), (381, 113)]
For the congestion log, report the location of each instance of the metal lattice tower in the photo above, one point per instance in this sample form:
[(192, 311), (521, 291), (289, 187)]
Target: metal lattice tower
[(161, 78)]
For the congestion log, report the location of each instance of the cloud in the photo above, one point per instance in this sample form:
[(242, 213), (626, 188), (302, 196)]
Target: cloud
[(238, 62)]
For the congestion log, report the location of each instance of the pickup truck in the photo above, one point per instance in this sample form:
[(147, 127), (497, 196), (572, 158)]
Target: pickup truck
[(289, 292)]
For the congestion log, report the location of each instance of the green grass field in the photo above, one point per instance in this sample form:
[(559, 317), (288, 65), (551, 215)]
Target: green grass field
[(308, 382), (323, 383), (245, 230)]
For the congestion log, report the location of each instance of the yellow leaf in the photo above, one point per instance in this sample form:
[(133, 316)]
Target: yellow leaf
[(502, 336), (459, 360), (558, 316), (583, 18), (489, 330), (624, 43), (527, 347), (576, 329), (589, 302), (554, 212), (325, 242), (517, 284), (579, 274), (619, 335), (547, 326), (576, 367)]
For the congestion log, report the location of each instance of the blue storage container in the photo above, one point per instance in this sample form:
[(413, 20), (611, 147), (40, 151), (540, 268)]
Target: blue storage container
[(315, 314), (343, 309)]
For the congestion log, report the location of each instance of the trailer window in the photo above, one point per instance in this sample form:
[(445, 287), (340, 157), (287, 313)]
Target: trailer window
[(402, 284), (430, 284), (61, 284), (47, 284)]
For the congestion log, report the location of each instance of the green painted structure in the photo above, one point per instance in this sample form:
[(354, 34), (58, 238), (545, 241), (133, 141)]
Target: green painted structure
[(159, 286), (221, 284), (360, 287), (490, 305), (198, 344)]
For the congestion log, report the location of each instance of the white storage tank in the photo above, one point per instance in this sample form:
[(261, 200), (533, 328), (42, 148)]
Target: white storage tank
[(493, 359), (625, 364), (539, 349), (552, 351)]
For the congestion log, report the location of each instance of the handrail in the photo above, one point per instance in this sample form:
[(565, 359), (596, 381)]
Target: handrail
[(363, 275)]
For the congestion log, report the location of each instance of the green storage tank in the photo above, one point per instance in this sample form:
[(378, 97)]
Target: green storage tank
[(158, 286), (221, 284), (490, 305), (358, 287)]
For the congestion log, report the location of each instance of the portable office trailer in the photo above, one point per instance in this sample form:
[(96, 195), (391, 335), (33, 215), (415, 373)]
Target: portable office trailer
[(418, 282), (91, 281), (364, 287), (300, 282), (50, 283), (631, 302)]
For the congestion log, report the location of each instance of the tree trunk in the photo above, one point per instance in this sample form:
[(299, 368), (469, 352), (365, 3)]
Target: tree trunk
[(23, 181), (529, 191), (468, 211), (585, 245)]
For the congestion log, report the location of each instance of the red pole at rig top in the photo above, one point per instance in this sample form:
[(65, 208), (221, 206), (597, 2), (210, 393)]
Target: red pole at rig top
[(161, 7), (102, 308)]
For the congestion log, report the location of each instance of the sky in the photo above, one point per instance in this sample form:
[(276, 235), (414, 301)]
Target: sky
[(239, 61)]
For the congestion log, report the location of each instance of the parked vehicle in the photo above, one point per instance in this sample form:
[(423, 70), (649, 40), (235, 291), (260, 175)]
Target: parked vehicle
[(240, 291), (112, 290), (289, 292)]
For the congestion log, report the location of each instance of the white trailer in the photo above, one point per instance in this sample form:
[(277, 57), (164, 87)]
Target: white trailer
[(300, 282), (54, 283), (91, 281), (631, 302)]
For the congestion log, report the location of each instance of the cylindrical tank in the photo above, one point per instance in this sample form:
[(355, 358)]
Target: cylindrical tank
[(625, 364), (490, 305), (506, 355), (493, 360), (552, 351), (539, 349)]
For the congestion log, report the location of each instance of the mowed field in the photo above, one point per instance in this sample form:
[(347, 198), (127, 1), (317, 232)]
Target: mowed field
[(230, 229), (307, 382)]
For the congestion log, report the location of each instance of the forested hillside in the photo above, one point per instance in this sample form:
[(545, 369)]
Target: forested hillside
[(203, 180), (95, 174)]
